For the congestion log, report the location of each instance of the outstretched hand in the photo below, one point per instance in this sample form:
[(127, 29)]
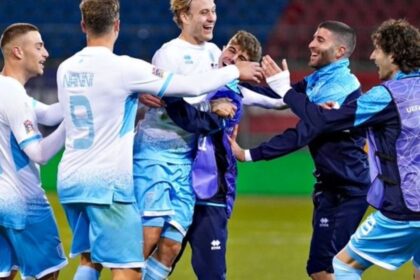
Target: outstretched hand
[(277, 78), (237, 151), (271, 68)]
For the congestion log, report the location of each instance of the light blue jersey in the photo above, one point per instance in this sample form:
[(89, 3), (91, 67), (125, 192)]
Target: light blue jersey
[(163, 152), (333, 82), (159, 138)]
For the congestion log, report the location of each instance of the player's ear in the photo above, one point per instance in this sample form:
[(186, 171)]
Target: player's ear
[(341, 51), (117, 26), (17, 52), (83, 26), (184, 17)]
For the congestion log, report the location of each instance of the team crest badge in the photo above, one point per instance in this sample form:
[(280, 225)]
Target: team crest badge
[(29, 127)]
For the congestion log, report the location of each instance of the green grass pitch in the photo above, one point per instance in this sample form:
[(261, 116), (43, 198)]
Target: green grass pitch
[(268, 240)]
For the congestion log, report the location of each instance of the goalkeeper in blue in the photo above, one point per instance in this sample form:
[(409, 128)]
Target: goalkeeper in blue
[(390, 113)]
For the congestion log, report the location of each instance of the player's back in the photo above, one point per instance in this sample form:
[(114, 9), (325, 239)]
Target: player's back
[(99, 112)]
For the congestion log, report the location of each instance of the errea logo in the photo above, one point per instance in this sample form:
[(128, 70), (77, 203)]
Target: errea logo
[(324, 222), (188, 59), (215, 245)]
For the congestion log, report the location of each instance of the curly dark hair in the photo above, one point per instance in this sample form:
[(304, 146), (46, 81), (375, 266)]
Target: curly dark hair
[(402, 40), (99, 15)]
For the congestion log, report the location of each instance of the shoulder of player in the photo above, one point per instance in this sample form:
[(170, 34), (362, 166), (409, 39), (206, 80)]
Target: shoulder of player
[(212, 46), (170, 48), (10, 87)]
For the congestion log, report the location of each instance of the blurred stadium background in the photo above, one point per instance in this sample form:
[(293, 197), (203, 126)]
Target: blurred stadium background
[(285, 28)]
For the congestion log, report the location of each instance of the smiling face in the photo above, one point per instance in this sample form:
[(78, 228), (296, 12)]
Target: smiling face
[(34, 54), (199, 21), (231, 54), (384, 62), (324, 48)]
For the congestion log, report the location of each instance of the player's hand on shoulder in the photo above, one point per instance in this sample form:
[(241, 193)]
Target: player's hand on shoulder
[(250, 71), (223, 107), (151, 100)]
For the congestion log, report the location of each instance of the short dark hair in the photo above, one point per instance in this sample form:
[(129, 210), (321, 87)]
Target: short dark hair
[(248, 43), (16, 30), (99, 15), (402, 40), (344, 33)]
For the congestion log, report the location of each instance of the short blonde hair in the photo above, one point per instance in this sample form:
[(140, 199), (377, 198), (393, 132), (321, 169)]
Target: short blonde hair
[(178, 7)]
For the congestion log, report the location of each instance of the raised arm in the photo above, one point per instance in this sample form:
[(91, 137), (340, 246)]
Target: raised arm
[(140, 76), (282, 144), (252, 98)]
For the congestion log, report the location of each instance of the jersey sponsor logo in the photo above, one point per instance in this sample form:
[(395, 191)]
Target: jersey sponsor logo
[(29, 127), (324, 222), (215, 245), (78, 80), (188, 59), (158, 72)]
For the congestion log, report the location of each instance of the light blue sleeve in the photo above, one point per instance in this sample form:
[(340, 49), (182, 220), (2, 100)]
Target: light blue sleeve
[(332, 92), (370, 103)]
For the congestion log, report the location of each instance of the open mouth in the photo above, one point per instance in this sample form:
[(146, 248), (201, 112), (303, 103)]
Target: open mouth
[(208, 28), (313, 55)]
